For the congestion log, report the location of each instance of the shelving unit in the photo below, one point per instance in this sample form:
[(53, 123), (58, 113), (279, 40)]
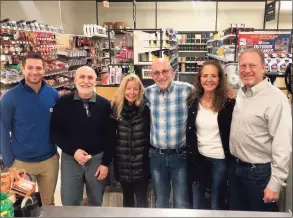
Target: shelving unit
[(192, 53)]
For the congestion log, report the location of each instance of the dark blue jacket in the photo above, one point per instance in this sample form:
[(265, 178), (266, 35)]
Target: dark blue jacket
[(27, 116)]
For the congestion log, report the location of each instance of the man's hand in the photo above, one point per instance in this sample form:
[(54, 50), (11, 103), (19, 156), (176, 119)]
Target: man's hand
[(81, 156), (270, 196), (231, 93), (102, 172)]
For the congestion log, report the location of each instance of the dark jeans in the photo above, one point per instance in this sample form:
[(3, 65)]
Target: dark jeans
[(247, 183), (135, 193), (166, 167), (214, 174), (73, 177)]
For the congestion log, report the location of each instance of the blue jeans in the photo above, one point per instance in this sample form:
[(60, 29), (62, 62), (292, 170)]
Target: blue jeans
[(214, 175), (247, 183), (164, 167), (73, 177)]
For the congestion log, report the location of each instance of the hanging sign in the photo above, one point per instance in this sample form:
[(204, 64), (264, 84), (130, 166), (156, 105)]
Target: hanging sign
[(268, 42), (270, 11)]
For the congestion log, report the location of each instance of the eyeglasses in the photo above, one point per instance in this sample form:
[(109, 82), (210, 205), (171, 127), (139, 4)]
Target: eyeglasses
[(87, 111), (164, 72)]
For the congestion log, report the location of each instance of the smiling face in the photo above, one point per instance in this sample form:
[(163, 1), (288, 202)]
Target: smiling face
[(209, 78), (85, 80), (251, 69), (162, 73), (33, 71), (132, 90)]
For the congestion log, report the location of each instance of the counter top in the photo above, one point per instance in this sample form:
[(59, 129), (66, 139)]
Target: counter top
[(81, 211)]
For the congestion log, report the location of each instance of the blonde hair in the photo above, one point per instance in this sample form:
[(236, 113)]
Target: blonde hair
[(118, 101)]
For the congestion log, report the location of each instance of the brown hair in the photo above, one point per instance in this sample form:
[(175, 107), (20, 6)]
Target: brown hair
[(32, 55), (220, 92)]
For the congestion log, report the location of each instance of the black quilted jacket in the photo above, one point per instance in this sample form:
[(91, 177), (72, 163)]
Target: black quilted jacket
[(133, 139)]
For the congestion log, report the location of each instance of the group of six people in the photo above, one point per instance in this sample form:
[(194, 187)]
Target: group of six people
[(193, 137)]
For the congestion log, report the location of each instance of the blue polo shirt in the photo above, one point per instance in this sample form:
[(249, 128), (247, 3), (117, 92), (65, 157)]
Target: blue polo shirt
[(27, 116)]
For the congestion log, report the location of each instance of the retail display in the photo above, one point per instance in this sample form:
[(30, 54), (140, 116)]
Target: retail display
[(192, 53), (274, 44), (19, 38), (94, 30), (223, 46)]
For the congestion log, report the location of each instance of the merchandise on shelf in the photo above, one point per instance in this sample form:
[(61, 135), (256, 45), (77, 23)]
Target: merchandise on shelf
[(19, 38), (192, 52), (94, 30)]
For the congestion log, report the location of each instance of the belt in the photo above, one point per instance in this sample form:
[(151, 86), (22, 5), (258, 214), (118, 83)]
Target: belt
[(242, 163), (168, 150)]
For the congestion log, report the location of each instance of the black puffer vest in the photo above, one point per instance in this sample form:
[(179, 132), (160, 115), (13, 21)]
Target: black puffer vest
[(133, 140)]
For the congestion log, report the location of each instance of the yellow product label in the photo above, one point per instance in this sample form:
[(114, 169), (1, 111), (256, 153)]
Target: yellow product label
[(4, 213)]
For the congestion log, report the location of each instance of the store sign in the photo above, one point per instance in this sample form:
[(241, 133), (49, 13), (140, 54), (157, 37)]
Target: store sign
[(270, 11), (268, 42)]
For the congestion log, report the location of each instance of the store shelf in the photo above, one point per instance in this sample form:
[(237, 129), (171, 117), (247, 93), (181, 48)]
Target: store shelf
[(174, 58), (56, 72), (192, 62), (143, 63), (228, 36), (218, 58), (212, 40), (56, 86), (223, 38), (6, 82), (192, 44), (281, 74), (193, 51), (188, 73), (100, 36)]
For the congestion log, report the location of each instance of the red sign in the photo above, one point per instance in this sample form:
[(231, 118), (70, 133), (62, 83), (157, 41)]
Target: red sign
[(277, 43)]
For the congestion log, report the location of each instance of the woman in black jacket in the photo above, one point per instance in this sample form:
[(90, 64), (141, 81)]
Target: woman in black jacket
[(207, 136), (131, 167)]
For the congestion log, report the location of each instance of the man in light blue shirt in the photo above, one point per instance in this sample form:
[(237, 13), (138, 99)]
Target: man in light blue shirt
[(168, 153)]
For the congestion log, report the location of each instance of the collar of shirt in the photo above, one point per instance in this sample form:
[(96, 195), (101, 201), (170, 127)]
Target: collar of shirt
[(169, 90), (92, 99), (28, 88), (253, 91)]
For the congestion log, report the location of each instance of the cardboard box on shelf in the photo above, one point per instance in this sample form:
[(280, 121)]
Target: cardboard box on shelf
[(109, 25), (120, 25)]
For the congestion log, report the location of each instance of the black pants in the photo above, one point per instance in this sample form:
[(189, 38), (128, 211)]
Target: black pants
[(135, 194), (247, 183)]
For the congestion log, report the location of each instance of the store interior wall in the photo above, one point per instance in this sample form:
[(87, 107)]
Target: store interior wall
[(74, 13), (192, 15)]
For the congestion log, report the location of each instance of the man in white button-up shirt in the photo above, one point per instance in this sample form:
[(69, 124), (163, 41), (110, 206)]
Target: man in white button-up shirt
[(260, 139)]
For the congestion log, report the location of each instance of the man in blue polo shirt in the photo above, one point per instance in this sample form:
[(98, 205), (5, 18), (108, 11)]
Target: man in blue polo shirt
[(25, 122)]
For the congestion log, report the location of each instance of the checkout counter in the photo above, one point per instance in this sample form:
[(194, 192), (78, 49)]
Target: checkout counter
[(71, 211)]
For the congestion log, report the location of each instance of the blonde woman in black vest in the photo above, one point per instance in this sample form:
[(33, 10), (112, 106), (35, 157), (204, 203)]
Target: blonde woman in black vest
[(131, 167)]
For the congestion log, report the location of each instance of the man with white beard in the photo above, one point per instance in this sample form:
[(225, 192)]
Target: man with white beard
[(82, 128)]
